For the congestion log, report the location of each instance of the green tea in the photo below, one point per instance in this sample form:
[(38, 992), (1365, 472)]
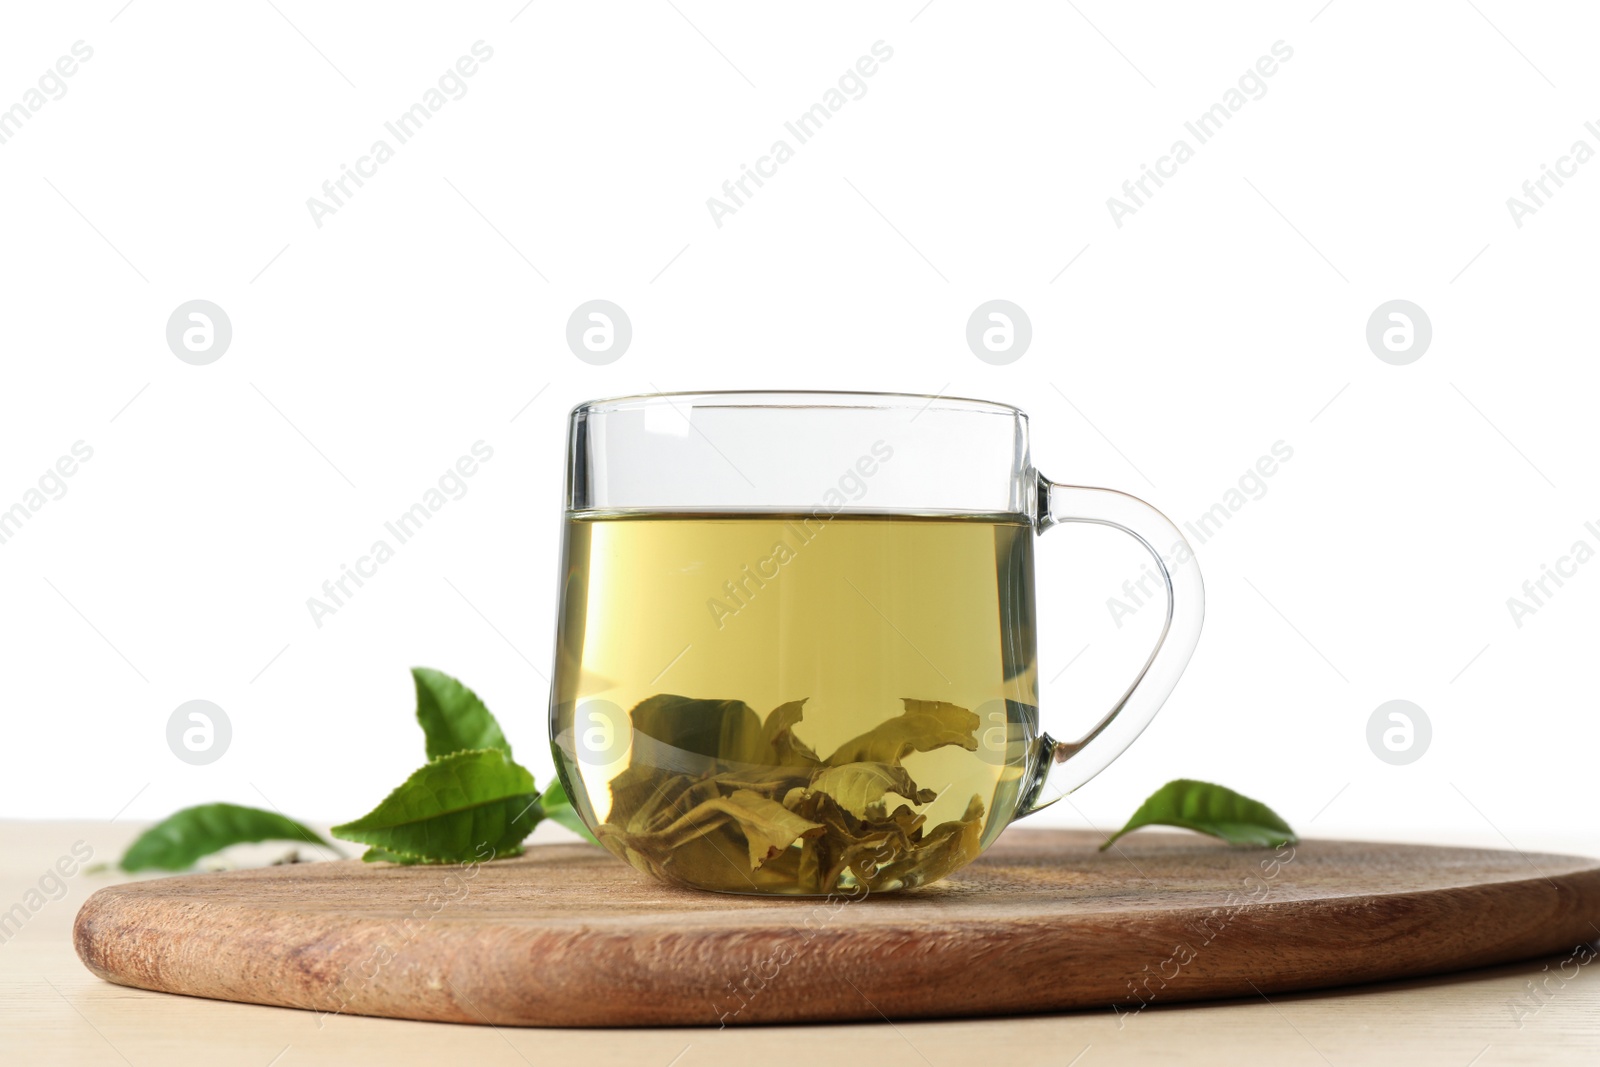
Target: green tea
[(792, 703)]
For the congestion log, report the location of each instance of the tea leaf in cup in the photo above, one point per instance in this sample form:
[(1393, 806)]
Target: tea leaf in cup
[(766, 827), (778, 733), (1210, 809), (476, 804), (924, 726), (727, 730), (773, 815), (176, 842), (939, 851), (860, 787), (886, 849), (452, 717)]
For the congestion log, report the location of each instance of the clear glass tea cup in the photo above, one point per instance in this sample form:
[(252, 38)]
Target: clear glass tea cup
[(795, 648)]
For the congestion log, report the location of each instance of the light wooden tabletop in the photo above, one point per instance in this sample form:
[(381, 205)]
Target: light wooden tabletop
[(54, 1011)]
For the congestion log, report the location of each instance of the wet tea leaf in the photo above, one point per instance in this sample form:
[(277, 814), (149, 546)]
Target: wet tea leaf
[(452, 717), (721, 730), (924, 726), (886, 850), (860, 787), (472, 805), (176, 842), (1210, 809), (938, 851), (766, 826), (778, 733), (717, 781)]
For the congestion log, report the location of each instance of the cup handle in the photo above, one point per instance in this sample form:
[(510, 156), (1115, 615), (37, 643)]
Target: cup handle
[(1086, 757)]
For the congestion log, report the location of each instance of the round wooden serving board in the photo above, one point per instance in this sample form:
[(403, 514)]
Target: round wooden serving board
[(568, 936)]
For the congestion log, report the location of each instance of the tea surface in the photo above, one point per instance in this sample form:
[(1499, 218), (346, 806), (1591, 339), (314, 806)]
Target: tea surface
[(791, 704)]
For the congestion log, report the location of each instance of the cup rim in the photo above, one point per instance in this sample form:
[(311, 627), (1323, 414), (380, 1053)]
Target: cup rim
[(819, 399)]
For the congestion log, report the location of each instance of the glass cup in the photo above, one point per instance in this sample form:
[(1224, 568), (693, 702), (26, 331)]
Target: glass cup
[(795, 647)]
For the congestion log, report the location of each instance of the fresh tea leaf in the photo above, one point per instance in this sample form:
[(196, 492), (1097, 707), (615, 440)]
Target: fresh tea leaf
[(176, 842), (378, 855), (453, 719), (558, 806), (400, 859), (472, 805), (1210, 809)]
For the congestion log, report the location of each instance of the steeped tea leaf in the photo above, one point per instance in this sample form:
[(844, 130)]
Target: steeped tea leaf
[(778, 733), (176, 842), (1210, 809), (453, 719), (860, 787), (924, 726), (472, 805), (716, 786), (766, 826), (726, 730), (886, 850), (941, 850)]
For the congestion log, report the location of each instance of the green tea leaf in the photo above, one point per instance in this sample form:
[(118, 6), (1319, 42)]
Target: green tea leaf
[(766, 826), (720, 730), (941, 850), (472, 805), (1210, 809), (924, 726), (176, 842), (860, 787), (453, 719), (780, 743), (886, 849), (378, 855), (558, 806)]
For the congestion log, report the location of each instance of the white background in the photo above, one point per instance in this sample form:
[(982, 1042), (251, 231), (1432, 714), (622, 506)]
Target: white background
[(1227, 314)]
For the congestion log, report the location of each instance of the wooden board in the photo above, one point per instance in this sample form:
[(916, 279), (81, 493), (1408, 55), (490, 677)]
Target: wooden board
[(568, 936)]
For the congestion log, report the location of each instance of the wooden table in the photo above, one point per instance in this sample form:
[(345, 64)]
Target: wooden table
[(55, 1012)]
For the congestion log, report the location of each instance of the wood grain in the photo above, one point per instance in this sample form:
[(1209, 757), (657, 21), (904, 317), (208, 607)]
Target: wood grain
[(568, 936)]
